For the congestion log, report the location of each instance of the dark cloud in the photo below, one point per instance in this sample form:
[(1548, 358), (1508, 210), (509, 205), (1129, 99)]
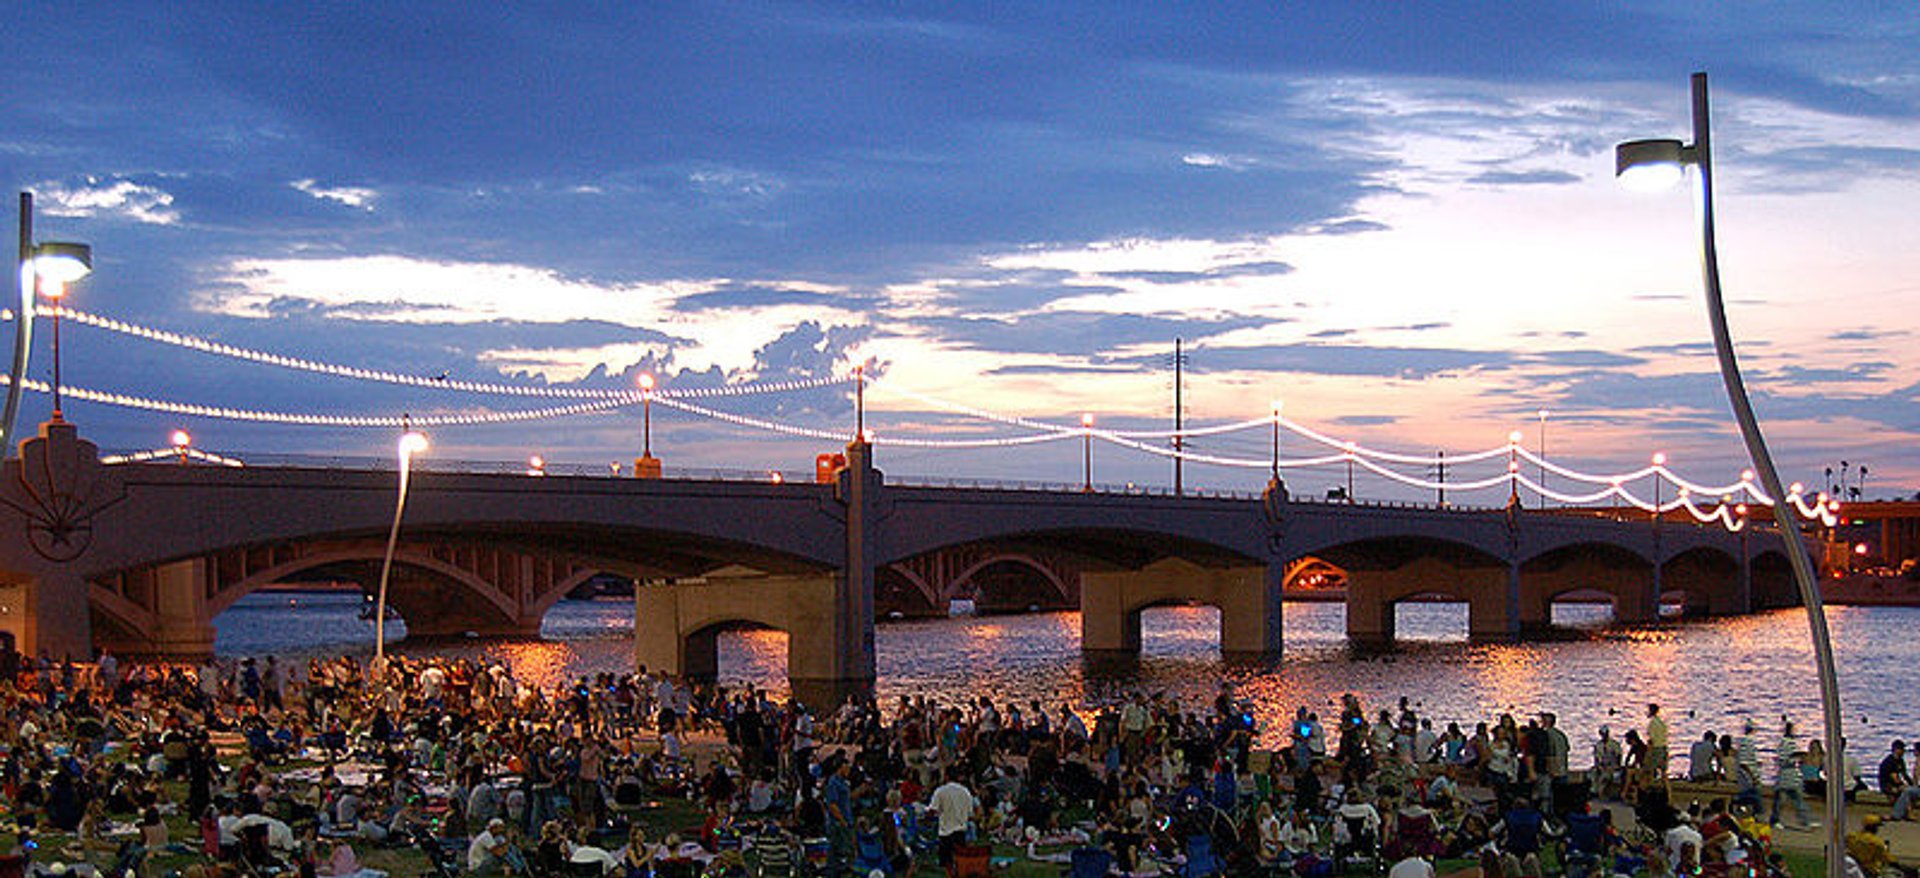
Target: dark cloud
[(1239, 269), (1060, 369), (1524, 178), (759, 297), (1867, 334), (1588, 359), (1825, 168), (1076, 333), (1856, 372), (1348, 227), (1322, 359), (1678, 349)]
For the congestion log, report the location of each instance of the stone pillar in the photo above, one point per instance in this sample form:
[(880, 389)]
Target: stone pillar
[(61, 625), (1536, 601), (181, 627), (850, 629), (1107, 629), (656, 628), (1250, 610), (1493, 602), (1369, 613)]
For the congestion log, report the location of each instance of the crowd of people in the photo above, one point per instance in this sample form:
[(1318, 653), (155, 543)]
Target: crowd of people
[(471, 771)]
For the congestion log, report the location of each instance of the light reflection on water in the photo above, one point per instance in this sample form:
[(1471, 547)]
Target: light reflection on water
[(1707, 674)]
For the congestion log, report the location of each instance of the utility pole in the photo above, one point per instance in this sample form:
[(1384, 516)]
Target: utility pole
[(1179, 420)]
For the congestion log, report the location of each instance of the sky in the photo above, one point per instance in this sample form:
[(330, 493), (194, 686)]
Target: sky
[(1398, 220)]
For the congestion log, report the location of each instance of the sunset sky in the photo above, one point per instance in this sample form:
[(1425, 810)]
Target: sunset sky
[(1399, 219)]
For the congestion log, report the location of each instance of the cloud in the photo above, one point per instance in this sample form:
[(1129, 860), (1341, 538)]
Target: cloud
[(1867, 334), (1351, 360), (351, 196), (735, 297), (1524, 178), (118, 198), (1075, 333), (1856, 372)]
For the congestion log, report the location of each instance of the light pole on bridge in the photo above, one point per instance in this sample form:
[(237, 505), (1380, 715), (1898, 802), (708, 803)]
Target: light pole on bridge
[(1663, 162), (1086, 446), (1543, 458), (646, 466), (1513, 469), (1276, 442)]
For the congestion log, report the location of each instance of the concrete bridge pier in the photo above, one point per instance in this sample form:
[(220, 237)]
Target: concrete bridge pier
[(677, 630), (182, 626), (1491, 593), (47, 612), (1248, 598)]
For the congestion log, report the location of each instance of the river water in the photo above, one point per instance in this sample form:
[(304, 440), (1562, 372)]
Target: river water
[(1707, 675)]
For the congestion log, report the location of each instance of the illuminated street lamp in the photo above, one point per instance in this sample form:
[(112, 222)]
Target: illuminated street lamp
[(47, 267), (646, 466), (182, 441), (1543, 458), (1663, 162), (411, 443), (1659, 460), (646, 415), (1276, 442), (1513, 469), (1086, 445)]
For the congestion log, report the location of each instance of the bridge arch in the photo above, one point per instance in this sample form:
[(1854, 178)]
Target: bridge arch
[(1248, 598), (1622, 574), (1045, 586), (1771, 575), (1382, 572), (1710, 578)]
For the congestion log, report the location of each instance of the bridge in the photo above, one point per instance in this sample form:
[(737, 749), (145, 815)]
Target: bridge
[(140, 557)]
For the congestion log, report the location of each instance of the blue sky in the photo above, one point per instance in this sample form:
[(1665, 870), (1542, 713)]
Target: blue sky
[(1399, 219)]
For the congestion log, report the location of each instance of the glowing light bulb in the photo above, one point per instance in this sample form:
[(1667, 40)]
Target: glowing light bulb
[(1659, 458), (181, 439)]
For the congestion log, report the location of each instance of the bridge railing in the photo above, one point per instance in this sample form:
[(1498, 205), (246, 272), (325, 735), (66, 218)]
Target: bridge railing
[(586, 470)]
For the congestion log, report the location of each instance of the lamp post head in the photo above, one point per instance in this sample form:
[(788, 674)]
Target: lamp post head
[(1650, 165), (1513, 438), (1086, 420), (62, 262), (646, 382), (1659, 458), (412, 442), (180, 439)]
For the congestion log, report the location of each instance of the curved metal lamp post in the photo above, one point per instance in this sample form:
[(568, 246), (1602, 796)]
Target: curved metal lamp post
[(57, 262), (411, 442), (1662, 162)]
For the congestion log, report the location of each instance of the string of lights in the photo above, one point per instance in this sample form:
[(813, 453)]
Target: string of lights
[(596, 400), (310, 419), (170, 454), (432, 382)]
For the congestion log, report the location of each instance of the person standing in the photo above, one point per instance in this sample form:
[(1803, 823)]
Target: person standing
[(1656, 743), (1787, 781), (954, 805)]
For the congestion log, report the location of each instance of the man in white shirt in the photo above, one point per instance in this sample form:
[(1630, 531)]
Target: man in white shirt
[(487, 854), (954, 804), (1682, 835)]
